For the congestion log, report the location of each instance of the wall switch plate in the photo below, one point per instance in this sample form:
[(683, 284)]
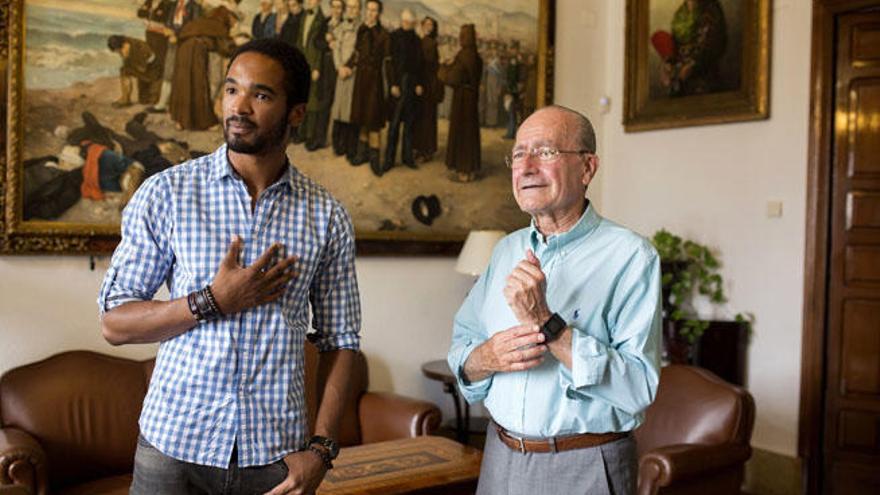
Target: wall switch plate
[(774, 209)]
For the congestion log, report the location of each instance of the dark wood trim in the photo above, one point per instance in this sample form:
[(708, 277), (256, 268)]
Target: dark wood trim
[(817, 236), (407, 247), (816, 252)]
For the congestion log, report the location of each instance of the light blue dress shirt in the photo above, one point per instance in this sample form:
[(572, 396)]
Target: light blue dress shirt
[(604, 280)]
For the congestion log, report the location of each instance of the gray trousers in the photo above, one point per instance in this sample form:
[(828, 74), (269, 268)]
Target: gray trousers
[(608, 469), (157, 474)]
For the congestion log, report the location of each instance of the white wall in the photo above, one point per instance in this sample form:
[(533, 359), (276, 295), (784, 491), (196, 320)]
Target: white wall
[(708, 183), (712, 184), (47, 305)]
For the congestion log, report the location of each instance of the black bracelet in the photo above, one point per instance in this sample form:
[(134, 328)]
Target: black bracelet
[(202, 302), (325, 456), (194, 306)]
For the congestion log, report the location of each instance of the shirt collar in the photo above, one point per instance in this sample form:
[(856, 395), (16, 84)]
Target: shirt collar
[(586, 224), (223, 168)]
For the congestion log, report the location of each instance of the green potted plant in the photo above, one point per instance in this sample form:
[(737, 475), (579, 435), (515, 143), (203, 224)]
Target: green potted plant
[(689, 270)]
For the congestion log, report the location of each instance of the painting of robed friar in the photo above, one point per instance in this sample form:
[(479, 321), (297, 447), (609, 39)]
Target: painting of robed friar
[(694, 62), (412, 107)]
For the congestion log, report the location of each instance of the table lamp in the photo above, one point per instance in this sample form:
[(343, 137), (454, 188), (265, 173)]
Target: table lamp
[(477, 250)]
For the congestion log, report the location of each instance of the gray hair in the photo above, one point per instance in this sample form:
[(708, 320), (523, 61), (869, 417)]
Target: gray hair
[(586, 135)]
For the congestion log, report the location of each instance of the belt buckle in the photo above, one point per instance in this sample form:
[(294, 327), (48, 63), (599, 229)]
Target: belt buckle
[(522, 444)]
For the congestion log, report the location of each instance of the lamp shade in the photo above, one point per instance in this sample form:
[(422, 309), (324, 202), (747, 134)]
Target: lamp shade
[(474, 256)]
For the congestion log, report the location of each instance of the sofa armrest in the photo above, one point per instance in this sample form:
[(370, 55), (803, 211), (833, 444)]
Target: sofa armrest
[(672, 463), (385, 416), (22, 461)]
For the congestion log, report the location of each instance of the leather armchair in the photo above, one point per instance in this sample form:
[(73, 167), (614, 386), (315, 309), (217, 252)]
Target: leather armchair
[(14, 490), (69, 422), (695, 438)]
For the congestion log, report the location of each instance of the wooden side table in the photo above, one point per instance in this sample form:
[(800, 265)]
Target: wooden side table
[(420, 465)]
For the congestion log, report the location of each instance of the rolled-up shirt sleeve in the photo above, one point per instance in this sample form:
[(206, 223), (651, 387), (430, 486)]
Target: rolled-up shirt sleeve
[(143, 259), (625, 371), (468, 333), (334, 294)]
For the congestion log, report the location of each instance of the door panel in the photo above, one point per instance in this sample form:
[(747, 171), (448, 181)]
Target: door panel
[(864, 132), (863, 210), (859, 431), (852, 395)]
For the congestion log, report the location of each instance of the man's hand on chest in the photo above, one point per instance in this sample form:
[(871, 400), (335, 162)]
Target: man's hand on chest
[(237, 288)]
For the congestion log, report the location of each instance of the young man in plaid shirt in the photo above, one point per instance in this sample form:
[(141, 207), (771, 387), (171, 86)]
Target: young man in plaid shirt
[(249, 249)]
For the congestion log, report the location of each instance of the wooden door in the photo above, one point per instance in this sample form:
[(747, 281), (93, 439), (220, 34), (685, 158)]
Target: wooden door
[(852, 382)]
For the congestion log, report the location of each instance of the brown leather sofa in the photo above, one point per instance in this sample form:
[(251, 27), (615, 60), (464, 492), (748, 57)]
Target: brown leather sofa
[(69, 422), (695, 438)]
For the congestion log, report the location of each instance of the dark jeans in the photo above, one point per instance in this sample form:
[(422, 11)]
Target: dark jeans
[(157, 474)]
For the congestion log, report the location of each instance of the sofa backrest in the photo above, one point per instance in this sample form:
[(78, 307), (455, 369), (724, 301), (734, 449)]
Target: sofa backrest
[(82, 407), (695, 406)]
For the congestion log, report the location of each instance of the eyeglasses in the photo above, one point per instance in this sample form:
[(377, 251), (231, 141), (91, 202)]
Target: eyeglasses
[(544, 154)]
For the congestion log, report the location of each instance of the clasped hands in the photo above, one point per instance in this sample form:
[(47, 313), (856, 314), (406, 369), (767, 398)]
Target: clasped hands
[(520, 347)]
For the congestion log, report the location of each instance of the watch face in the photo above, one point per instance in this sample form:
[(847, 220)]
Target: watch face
[(328, 443), (553, 327)]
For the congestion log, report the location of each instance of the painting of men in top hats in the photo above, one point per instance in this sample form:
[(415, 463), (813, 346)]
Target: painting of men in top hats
[(408, 99)]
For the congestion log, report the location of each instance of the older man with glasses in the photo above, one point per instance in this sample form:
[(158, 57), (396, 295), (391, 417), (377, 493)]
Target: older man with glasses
[(560, 336)]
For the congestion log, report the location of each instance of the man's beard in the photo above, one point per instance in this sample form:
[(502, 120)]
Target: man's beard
[(262, 141)]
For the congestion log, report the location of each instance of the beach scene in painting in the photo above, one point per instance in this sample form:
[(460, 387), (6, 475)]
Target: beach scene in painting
[(411, 110)]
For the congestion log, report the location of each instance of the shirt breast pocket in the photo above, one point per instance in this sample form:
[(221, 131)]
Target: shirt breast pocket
[(199, 249)]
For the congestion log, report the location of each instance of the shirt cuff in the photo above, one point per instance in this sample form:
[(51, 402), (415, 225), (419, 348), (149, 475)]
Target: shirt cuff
[(335, 341), (113, 302), (471, 391), (589, 361)]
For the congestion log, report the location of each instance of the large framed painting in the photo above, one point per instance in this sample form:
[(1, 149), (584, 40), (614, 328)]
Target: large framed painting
[(696, 62), (101, 94)]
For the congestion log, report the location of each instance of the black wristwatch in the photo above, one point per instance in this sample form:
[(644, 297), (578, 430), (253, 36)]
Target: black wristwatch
[(553, 327), (328, 443)]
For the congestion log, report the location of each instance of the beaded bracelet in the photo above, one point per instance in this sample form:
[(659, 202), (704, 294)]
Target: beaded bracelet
[(209, 294)]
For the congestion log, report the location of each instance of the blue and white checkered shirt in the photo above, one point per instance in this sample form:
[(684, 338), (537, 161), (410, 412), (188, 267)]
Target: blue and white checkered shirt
[(240, 378)]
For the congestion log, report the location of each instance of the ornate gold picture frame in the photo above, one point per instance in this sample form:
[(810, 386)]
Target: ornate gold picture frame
[(45, 101), (696, 62)]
